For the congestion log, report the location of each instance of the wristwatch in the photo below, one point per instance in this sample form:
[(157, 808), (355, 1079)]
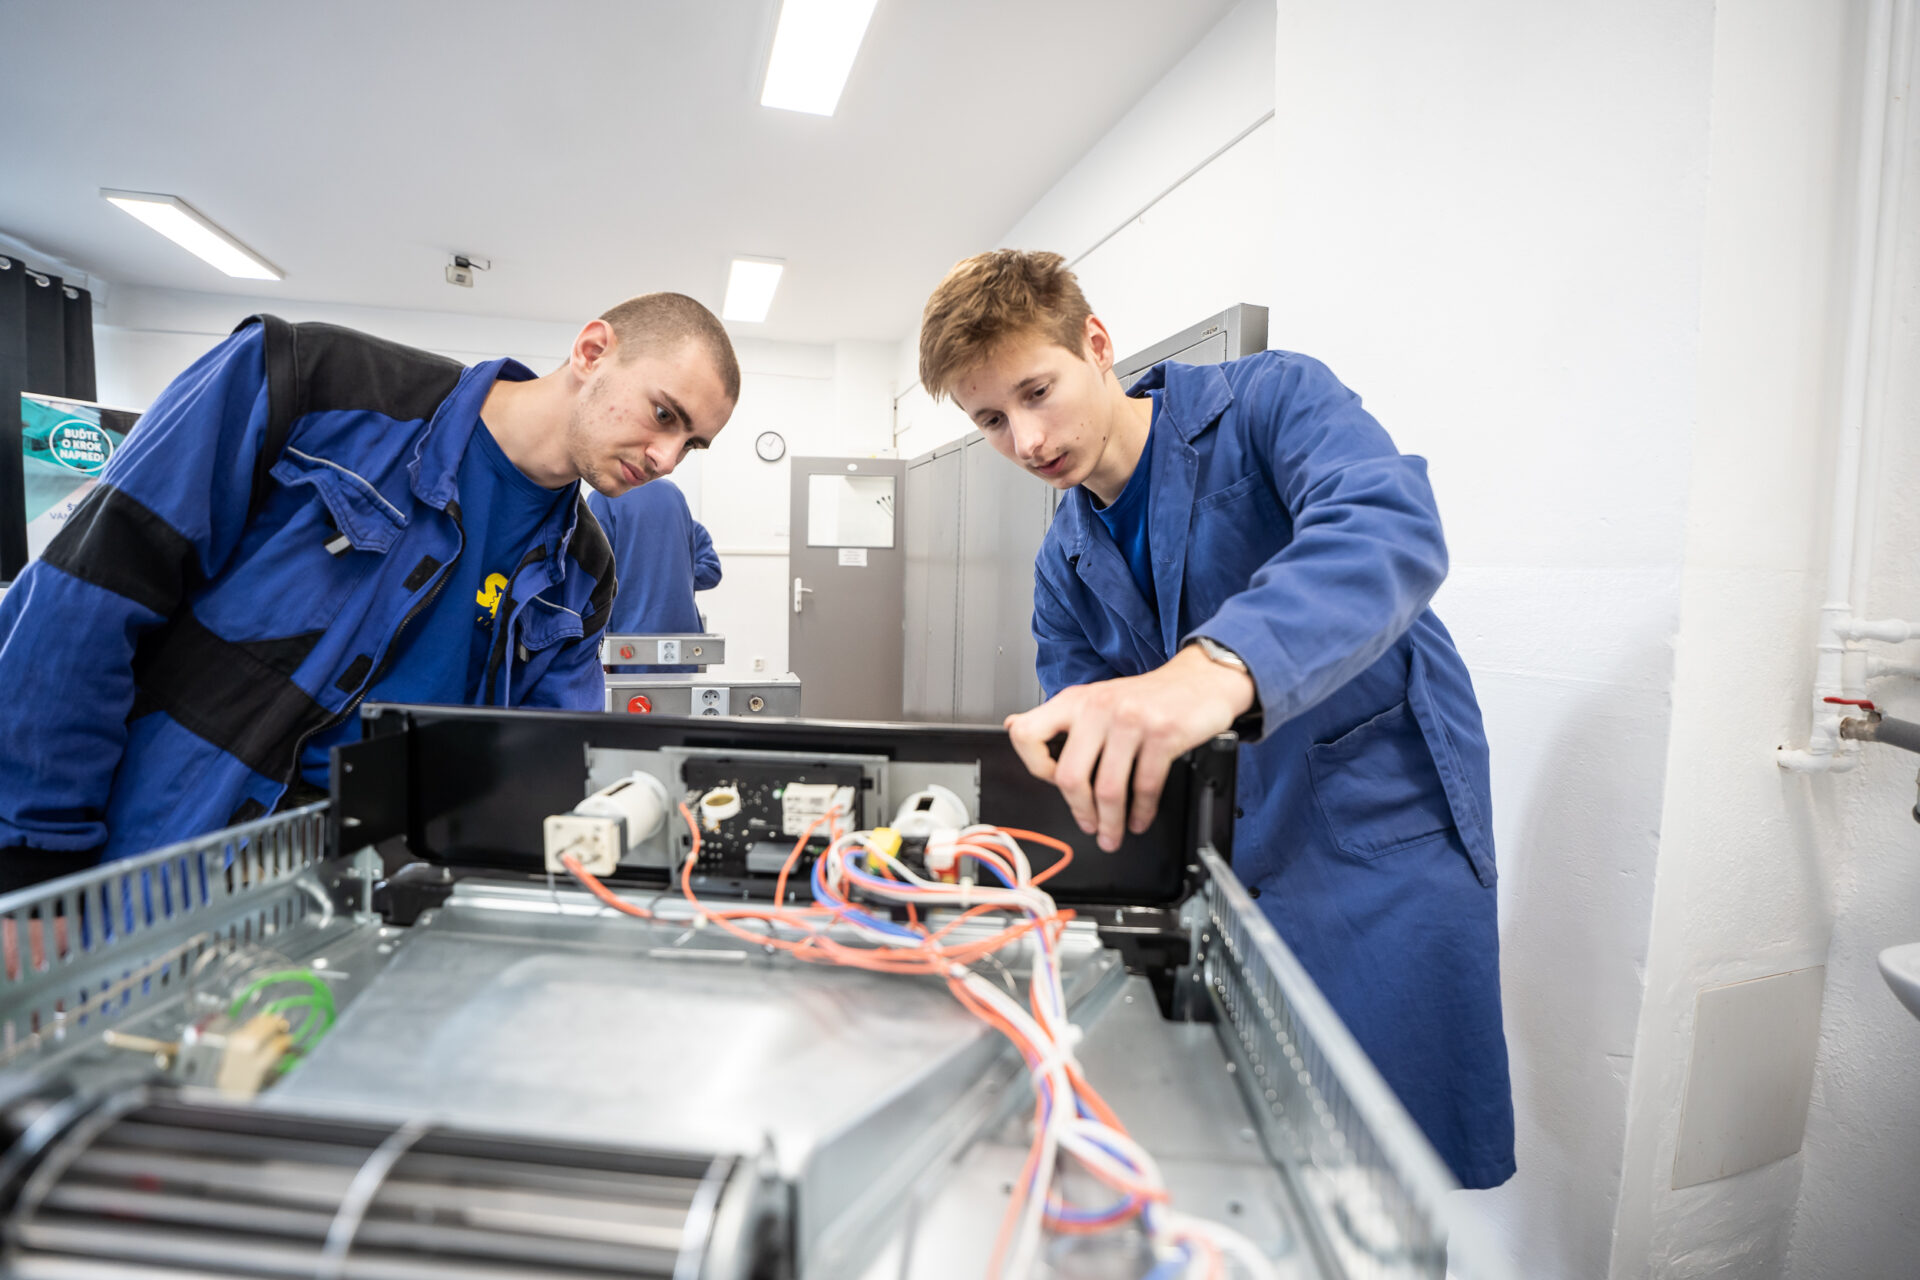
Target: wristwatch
[(1219, 653), (1251, 726)]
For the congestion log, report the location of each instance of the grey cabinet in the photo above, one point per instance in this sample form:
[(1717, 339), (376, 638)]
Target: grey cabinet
[(1003, 515), (932, 594), (973, 526)]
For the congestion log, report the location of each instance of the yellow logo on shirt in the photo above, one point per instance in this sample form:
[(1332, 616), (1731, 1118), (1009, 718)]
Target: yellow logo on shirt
[(488, 596)]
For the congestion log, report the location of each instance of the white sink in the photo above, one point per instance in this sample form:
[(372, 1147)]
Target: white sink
[(1901, 968)]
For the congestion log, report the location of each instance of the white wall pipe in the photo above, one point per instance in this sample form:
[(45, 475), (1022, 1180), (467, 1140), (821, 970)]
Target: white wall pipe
[(1840, 667), (1891, 630)]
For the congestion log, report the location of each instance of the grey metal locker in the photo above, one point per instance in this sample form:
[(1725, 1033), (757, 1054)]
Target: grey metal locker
[(1004, 516), (1238, 331), (1027, 511), (943, 582), (980, 575), (918, 487)]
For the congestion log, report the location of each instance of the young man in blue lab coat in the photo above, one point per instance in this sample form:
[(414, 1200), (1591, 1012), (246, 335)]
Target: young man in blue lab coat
[(310, 517), (1241, 546), (663, 555)]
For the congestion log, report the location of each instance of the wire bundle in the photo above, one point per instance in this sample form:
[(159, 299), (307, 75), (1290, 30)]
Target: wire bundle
[(315, 1007), (1070, 1118)]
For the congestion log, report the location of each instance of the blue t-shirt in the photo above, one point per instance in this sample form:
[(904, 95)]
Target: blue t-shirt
[(443, 654), (1126, 519)]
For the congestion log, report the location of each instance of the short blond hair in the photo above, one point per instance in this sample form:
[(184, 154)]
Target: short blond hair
[(991, 299), (656, 321)]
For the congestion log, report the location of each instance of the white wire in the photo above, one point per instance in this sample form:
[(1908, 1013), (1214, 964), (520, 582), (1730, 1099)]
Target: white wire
[(1050, 1036)]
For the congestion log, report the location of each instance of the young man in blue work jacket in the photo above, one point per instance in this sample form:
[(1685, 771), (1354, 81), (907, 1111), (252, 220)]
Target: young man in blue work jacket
[(310, 517), (663, 556), (1241, 546)]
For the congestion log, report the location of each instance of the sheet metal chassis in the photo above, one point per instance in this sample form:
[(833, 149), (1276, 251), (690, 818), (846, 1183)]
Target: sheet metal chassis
[(1366, 1191)]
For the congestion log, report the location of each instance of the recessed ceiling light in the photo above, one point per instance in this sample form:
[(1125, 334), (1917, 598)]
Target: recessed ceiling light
[(187, 227), (813, 50), (750, 286)]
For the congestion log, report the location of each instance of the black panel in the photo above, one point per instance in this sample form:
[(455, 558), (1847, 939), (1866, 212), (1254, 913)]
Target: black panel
[(370, 785), (45, 310), (480, 782), (13, 380), (76, 314)]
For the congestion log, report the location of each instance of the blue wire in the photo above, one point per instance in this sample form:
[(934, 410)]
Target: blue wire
[(1171, 1268)]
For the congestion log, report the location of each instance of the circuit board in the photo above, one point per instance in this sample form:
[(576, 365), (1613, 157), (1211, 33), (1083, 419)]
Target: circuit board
[(755, 841)]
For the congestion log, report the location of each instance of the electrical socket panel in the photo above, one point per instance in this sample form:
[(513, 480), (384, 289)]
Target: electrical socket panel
[(595, 842)]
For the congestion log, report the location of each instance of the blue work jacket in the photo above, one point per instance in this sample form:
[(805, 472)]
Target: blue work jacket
[(663, 556), (235, 582), (1284, 524)]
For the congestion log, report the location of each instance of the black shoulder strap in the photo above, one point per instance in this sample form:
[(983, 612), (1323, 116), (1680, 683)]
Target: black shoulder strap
[(594, 554), (283, 400)]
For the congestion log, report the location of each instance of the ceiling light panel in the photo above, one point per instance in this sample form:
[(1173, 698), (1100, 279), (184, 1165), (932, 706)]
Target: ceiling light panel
[(813, 50), (750, 286), (193, 231)]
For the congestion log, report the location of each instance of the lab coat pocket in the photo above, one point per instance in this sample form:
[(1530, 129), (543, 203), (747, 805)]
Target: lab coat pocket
[(1378, 787), (1235, 530)]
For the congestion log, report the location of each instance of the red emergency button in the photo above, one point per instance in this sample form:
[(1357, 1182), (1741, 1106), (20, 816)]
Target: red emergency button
[(626, 651), (639, 704)]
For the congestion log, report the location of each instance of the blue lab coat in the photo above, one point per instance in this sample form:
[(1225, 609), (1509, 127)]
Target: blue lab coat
[(1285, 525), (663, 555)]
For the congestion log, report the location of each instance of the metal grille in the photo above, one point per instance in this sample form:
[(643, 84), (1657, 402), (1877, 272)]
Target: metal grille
[(100, 944), (1370, 1186)]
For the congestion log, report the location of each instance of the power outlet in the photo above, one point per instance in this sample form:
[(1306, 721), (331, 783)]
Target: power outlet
[(759, 664)]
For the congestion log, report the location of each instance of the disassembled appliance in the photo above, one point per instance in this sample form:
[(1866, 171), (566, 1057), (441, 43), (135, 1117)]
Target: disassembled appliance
[(541, 994)]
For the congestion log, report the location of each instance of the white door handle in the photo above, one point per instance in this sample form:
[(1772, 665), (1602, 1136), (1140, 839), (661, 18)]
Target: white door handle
[(799, 591)]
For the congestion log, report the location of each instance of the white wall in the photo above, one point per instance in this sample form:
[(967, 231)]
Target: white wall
[(1202, 246), (1587, 259), (1490, 225), (824, 399), (1747, 870)]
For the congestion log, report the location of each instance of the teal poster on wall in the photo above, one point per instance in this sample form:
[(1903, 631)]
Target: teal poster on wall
[(64, 446)]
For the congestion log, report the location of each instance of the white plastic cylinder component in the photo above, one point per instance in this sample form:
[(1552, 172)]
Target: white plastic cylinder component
[(717, 806), (639, 800), (933, 809)]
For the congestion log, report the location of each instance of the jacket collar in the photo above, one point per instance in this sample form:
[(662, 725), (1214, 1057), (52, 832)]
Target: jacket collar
[(1193, 399), (1196, 395), (435, 470)]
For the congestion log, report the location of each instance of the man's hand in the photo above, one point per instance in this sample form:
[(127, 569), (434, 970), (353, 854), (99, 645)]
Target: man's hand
[(1130, 728)]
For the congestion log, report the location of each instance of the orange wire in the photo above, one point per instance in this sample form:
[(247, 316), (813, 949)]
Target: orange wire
[(929, 958), (599, 890)]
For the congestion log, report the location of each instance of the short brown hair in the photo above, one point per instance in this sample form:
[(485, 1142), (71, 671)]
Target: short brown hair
[(990, 299), (655, 320)]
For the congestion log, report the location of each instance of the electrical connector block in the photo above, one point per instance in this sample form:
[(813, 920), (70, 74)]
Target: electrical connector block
[(802, 803), (943, 859), (594, 840)]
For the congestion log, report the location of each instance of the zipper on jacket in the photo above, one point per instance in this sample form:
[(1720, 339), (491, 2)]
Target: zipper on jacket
[(393, 644)]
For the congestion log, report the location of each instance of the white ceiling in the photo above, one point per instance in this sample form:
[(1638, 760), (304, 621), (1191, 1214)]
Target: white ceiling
[(591, 148)]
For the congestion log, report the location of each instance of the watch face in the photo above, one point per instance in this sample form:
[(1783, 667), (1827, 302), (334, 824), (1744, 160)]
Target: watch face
[(770, 446)]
